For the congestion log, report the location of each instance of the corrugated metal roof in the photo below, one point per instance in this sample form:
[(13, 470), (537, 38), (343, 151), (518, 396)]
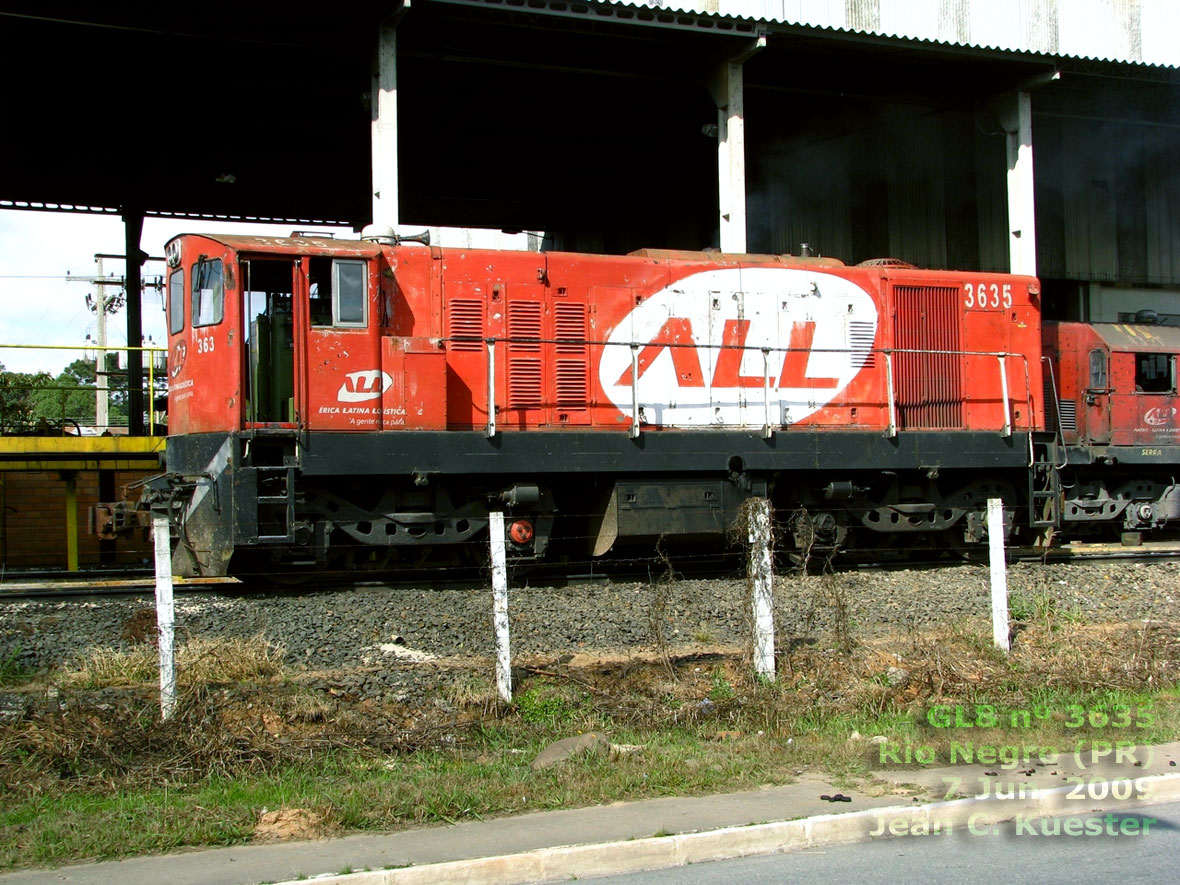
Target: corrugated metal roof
[(1132, 31)]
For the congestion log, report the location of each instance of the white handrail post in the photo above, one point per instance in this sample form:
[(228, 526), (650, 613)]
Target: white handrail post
[(892, 402), (767, 432), (1004, 392), (490, 431), (634, 391)]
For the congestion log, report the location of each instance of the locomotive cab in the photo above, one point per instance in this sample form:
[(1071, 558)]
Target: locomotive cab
[(1116, 383)]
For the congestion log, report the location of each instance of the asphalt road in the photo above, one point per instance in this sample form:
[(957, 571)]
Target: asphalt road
[(1143, 847)]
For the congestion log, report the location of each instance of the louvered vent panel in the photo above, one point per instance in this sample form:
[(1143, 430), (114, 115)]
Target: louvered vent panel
[(524, 383), (928, 385), (860, 339), (465, 324), (569, 321), (1069, 415), (524, 322), (524, 372), (1051, 414), (572, 388)]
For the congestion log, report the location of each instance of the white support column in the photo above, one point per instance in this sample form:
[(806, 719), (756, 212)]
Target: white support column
[(165, 615), (999, 572), (731, 160), (1016, 118), (761, 582), (500, 605), (384, 125), (728, 92)]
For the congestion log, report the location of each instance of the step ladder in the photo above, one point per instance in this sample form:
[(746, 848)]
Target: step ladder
[(266, 477), (1044, 488)]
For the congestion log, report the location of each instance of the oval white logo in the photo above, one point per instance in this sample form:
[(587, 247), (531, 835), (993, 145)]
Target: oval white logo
[(706, 345), (1159, 416), (361, 386)]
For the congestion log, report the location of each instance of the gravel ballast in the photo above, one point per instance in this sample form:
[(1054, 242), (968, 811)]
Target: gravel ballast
[(383, 634)]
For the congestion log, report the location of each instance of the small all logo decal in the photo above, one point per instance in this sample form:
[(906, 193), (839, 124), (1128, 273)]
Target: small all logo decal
[(359, 387)]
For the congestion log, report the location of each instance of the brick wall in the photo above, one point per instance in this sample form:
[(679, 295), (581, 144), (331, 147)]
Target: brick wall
[(33, 526)]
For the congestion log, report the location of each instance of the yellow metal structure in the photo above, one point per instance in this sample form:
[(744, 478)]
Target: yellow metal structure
[(80, 452)]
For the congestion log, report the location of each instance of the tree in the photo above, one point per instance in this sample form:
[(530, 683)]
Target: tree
[(17, 402), (71, 396)]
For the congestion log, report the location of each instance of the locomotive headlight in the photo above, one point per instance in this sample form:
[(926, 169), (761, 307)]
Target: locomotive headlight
[(172, 253), (521, 531)]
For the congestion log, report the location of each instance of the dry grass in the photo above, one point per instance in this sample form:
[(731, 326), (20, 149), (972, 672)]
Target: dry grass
[(198, 662), (704, 723)]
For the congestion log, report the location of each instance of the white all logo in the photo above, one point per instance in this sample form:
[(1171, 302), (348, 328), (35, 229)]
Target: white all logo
[(707, 346), (361, 386), (1160, 416)]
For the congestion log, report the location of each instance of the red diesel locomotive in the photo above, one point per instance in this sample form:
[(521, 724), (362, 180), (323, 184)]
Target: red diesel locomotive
[(366, 404)]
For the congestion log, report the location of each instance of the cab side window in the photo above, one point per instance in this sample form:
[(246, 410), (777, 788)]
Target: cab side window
[(1155, 373), (176, 301), (338, 293), (208, 293), (1097, 370)]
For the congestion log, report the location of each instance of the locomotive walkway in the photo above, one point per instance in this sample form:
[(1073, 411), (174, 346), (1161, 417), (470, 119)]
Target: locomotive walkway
[(628, 837)]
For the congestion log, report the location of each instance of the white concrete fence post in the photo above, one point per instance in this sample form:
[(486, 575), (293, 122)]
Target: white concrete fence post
[(999, 573), (165, 615), (500, 605), (761, 582)]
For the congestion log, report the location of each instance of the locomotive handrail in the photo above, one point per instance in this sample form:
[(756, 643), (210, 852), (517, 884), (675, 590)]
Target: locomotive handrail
[(1057, 414), (490, 430), (634, 391), (892, 431), (768, 427)]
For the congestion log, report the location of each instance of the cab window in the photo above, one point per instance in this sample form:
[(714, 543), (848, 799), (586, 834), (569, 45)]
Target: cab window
[(176, 301), (1155, 373), (208, 293), (337, 292), (1097, 370)]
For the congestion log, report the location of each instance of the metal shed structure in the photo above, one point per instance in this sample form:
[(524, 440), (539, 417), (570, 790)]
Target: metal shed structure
[(1034, 135)]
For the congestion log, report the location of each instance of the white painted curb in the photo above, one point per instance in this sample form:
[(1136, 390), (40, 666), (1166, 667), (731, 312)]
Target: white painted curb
[(636, 855)]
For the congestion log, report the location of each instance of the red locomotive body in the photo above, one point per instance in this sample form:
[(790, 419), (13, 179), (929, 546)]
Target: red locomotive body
[(402, 341), (355, 403)]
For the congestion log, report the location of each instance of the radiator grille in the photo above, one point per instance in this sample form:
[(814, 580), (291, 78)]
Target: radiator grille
[(465, 324), (928, 385)]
